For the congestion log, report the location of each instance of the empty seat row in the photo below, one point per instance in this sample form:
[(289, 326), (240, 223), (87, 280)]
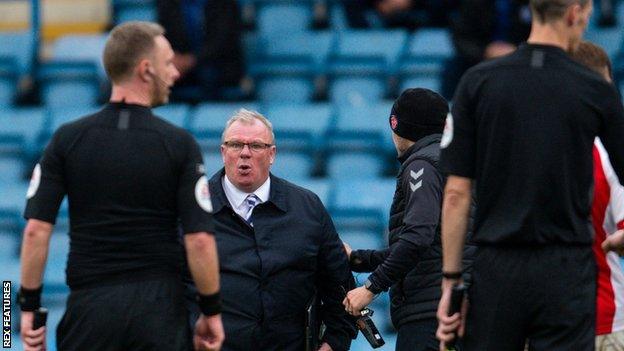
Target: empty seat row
[(352, 66), (352, 63), (16, 58), (268, 16), (309, 128)]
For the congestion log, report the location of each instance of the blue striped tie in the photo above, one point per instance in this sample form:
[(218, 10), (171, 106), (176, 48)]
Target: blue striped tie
[(250, 202)]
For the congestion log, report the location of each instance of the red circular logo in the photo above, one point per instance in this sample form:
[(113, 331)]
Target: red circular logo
[(393, 122)]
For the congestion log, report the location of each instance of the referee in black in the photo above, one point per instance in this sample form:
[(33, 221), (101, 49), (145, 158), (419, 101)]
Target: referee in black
[(522, 128), (130, 178)]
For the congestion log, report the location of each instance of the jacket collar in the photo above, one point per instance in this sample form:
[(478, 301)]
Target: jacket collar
[(419, 145), (277, 193)]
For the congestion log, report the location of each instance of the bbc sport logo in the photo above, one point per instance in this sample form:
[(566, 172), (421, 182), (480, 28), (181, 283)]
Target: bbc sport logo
[(6, 314)]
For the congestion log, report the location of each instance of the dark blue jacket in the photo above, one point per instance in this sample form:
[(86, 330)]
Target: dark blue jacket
[(269, 272)]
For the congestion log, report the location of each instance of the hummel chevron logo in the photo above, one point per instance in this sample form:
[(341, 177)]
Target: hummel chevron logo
[(416, 175)]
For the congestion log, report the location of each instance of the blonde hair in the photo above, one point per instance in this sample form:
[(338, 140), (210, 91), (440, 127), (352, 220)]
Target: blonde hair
[(247, 117), (550, 10), (127, 44)]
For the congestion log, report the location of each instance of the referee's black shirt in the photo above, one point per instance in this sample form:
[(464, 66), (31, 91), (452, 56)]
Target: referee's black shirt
[(523, 127), (130, 178)]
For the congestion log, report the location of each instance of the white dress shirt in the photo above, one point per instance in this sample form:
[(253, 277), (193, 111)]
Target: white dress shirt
[(236, 197)]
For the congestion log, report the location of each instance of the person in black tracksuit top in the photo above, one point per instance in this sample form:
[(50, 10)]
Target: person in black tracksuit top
[(411, 265), (131, 178), (522, 129)]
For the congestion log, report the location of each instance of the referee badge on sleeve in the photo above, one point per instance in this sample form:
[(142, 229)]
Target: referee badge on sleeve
[(447, 136), (35, 180), (202, 194)]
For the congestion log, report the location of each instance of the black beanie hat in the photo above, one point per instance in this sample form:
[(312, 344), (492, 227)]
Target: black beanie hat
[(417, 113)]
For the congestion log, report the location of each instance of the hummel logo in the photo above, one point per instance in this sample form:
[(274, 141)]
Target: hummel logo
[(416, 175)]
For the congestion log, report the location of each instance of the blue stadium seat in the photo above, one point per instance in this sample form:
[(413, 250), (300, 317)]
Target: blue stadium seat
[(610, 39), (69, 83), (321, 187), (359, 65), (427, 50), (9, 245), (276, 18), (373, 194), (75, 72), (286, 88), (134, 10), (362, 204), (300, 127), (337, 17), (16, 49), (8, 87), (428, 80), (177, 114), (355, 165), (292, 53), (81, 48), (20, 130), (422, 63), (367, 51), (12, 170), (356, 90), (12, 203), (18, 46), (362, 128), (213, 162), (208, 121), (293, 166), (253, 46)]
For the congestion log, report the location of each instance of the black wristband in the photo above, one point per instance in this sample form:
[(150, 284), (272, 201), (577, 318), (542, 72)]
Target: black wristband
[(452, 275), (209, 304), (29, 299)]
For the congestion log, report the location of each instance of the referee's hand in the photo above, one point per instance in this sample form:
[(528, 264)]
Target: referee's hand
[(209, 333), (449, 327), (33, 340), (614, 242)]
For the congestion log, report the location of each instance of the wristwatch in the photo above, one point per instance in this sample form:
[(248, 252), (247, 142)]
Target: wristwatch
[(372, 287)]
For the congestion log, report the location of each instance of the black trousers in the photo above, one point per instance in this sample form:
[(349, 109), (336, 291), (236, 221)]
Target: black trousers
[(546, 294), (418, 336), (143, 315)]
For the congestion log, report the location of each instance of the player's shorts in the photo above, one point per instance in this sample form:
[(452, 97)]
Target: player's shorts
[(143, 315), (546, 294)]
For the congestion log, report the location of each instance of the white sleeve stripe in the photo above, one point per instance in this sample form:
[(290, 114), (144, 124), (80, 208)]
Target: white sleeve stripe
[(616, 202)]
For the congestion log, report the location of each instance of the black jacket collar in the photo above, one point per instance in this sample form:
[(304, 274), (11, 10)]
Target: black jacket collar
[(421, 143), (277, 194)]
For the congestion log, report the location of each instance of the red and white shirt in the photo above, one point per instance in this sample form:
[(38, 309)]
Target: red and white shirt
[(607, 217)]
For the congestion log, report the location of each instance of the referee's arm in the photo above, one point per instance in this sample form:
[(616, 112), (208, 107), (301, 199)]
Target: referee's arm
[(455, 212), (201, 251), (34, 253)]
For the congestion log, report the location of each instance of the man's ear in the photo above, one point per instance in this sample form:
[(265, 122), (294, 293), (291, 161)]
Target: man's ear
[(145, 70), (574, 15)]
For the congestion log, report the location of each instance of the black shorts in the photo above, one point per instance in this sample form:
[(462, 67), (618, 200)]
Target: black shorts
[(418, 335), (144, 315), (543, 294)]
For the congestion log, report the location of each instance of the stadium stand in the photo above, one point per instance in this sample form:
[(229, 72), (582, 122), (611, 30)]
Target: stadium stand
[(327, 92)]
